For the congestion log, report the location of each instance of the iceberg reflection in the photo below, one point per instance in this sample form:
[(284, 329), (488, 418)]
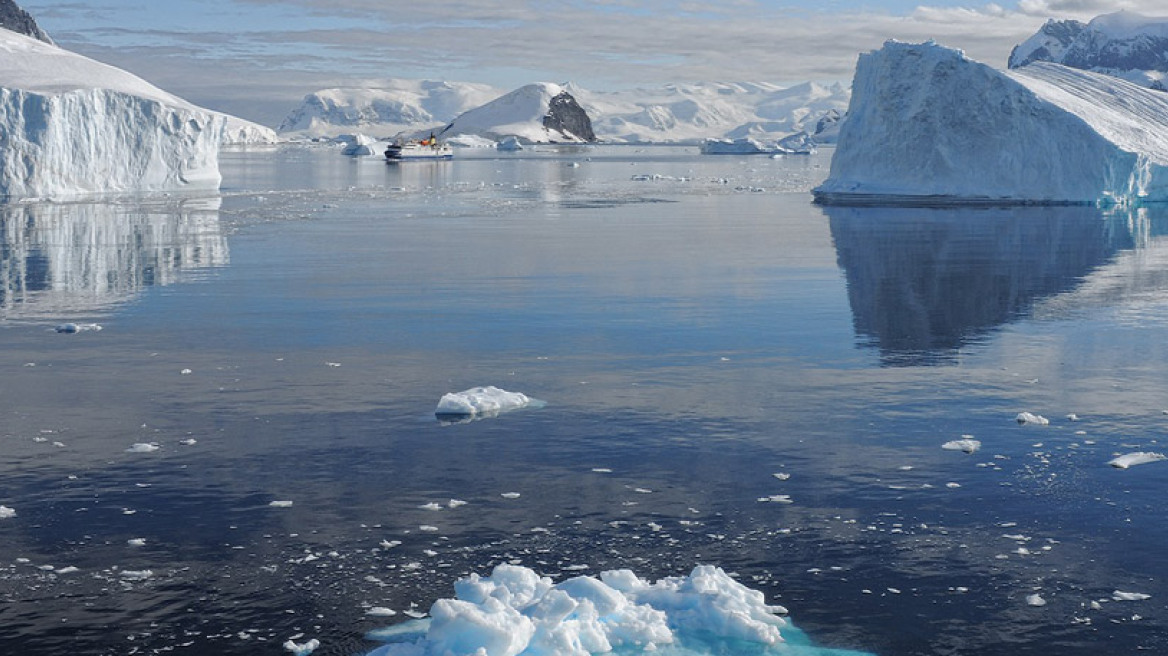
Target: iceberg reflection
[(924, 282), (67, 259)]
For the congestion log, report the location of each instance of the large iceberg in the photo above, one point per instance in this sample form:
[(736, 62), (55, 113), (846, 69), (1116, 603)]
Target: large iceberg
[(516, 612), (70, 125), (926, 125)]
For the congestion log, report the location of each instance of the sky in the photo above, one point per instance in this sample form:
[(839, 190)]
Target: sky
[(258, 58)]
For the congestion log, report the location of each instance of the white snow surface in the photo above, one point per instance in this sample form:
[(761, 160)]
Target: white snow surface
[(516, 611), (517, 114), (489, 400), (676, 113), (392, 107), (926, 124), (70, 125)]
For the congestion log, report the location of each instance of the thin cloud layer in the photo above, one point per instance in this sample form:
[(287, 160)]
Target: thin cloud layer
[(313, 44)]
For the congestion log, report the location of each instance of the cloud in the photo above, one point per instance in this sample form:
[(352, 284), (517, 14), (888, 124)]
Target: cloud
[(287, 48)]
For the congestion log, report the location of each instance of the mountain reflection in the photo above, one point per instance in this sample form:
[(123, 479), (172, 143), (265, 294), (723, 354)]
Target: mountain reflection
[(923, 282), (61, 260)]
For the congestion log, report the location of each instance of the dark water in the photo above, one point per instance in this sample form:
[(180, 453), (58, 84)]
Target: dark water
[(695, 326)]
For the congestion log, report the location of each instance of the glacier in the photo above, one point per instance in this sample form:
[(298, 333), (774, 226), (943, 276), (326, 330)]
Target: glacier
[(70, 125), (926, 125)]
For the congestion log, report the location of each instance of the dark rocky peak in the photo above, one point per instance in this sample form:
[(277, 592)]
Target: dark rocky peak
[(567, 116), (12, 17)]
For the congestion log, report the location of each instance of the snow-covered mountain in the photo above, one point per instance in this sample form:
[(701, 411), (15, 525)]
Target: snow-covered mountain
[(536, 113), (393, 107), (72, 125), (689, 113), (1124, 44), (928, 125), (676, 113)]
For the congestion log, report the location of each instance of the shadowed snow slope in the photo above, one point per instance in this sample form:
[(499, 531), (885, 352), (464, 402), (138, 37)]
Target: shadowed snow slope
[(70, 125), (927, 125)]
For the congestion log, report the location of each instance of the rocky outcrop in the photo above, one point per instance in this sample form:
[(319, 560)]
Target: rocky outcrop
[(12, 17), (567, 116)]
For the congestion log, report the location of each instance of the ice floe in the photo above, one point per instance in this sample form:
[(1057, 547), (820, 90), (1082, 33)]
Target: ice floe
[(301, 648), (966, 444), (1135, 458), (516, 611), (1120, 595), (486, 401), (6, 512), (143, 447), (279, 503), (1030, 418)]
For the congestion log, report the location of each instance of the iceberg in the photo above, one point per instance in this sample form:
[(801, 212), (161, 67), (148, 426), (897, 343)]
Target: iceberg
[(489, 401), (70, 125), (516, 612), (928, 126)]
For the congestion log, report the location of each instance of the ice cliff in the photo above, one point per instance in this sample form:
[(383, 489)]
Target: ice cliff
[(1124, 44), (70, 125), (927, 125)]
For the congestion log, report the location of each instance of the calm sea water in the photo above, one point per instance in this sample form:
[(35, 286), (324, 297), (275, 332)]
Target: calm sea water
[(695, 325)]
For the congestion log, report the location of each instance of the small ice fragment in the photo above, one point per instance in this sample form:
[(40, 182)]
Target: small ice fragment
[(1072, 417), (137, 575), (387, 544), (302, 649), (67, 570), (1119, 595), (1035, 600), (428, 528), (381, 611), (136, 542), (6, 512), (433, 505), (776, 498), (967, 445), (190, 441), (510, 495), (782, 476), (953, 486), (454, 503), (280, 504), (1135, 458), (414, 614), (1028, 418), (602, 470), (71, 328), (143, 447), (185, 372)]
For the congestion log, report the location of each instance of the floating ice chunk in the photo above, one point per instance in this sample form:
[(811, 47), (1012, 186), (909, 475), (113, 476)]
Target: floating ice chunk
[(381, 611), (967, 445), (143, 447), (6, 512), (1035, 600), (71, 328), (1072, 417), (455, 503), (190, 441), (782, 476), (516, 611), (480, 401), (776, 498), (1120, 595), (137, 574), (302, 649), (433, 505), (1028, 418), (136, 542), (280, 504), (510, 495), (185, 372), (67, 570), (1135, 458)]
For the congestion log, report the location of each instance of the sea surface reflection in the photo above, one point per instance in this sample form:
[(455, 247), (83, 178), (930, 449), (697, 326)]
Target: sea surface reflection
[(734, 376)]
